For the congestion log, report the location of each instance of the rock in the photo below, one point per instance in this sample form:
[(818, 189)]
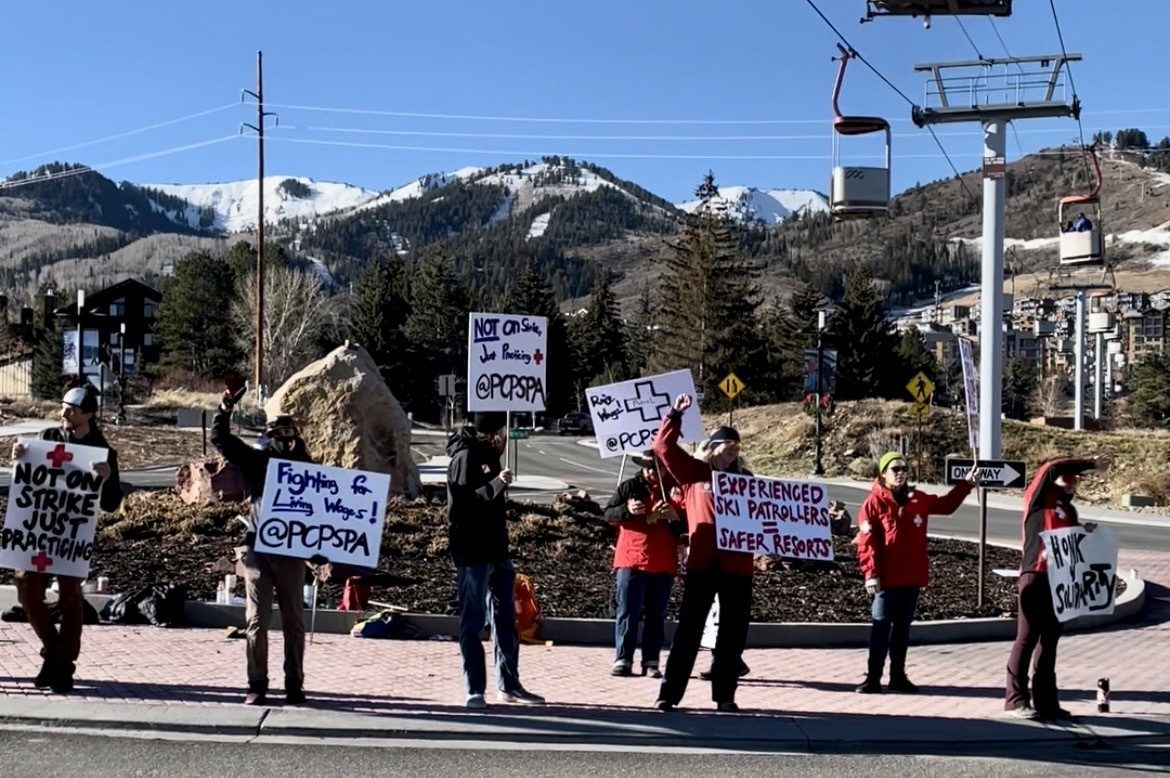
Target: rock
[(862, 469), (210, 481), (349, 417)]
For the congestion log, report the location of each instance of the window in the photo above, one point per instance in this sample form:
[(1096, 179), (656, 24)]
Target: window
[(118, 308), (148, 309), (148, 339)]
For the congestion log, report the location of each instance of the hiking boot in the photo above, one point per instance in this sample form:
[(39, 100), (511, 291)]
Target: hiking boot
[(664, 706), (476, 702), (294, 695), (520, 696), (743, 670), (62, 679), (1025, 712), (257, 693), (44, 678), (871, 686), (727, 707), (651, 671), (901, 685), (621, 668)]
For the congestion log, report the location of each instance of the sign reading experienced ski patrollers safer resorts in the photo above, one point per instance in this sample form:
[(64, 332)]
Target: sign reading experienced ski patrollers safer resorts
[(506, 362), (1082, 571), (772, 517), (53, 506), (310, 509), (626, 415)]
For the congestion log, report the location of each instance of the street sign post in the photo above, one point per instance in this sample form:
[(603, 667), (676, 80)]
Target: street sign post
[(995, 473), (921, 388), (731, 386), (519, 433)]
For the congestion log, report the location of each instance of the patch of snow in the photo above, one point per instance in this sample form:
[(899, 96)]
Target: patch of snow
[(322, 272), (749, 205), (539, 225)]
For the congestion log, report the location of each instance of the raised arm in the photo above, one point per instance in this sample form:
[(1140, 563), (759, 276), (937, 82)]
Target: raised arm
[(685, 468)]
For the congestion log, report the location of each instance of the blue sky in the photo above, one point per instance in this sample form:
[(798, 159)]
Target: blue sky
[(87, 72)]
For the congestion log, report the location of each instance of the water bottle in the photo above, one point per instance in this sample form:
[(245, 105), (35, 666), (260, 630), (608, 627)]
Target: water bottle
[(1103, 695)]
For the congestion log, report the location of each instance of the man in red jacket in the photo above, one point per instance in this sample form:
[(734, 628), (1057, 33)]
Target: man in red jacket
[(891, 550), (646, 561), (1047, 506)]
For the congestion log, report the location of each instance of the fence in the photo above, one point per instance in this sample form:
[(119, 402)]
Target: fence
[(16, 377)]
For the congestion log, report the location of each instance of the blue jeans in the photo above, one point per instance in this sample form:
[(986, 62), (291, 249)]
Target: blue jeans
[(485, 593), (641, 595), (893, 610)]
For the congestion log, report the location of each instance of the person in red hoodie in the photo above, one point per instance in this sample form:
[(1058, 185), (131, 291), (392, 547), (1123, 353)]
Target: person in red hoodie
[(891, 550), (646, 561), (1047, 506), (710, 571)]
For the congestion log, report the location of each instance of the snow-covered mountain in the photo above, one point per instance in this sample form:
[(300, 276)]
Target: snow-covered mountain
[(747, 204), (235, 203)]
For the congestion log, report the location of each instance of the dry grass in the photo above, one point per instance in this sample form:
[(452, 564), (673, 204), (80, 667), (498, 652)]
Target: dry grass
[(176, 398)]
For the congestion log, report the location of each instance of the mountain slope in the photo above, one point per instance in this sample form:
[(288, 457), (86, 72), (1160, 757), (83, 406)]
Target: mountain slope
[(751, 206)]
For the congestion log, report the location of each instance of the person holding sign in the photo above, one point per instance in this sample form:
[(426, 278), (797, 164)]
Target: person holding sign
[(646, 560), (264, 573), (60, 649), (710, 571), (891, 551), (477, 536), (1047, 506)]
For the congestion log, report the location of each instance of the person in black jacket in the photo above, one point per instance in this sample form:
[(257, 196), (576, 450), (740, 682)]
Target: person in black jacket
[(266, 573), (477, 534), (60, 649)]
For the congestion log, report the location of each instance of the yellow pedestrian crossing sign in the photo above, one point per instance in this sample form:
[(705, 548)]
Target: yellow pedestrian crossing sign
[(921, 388), (731, 386)]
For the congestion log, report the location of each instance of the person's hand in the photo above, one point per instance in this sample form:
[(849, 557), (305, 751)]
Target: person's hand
[(635, 506), (873, 585), (1089, 526), (230, 398), (682, 402), (101, 468), (974, 477), (18, 450), (1101, 462), (505, 476)]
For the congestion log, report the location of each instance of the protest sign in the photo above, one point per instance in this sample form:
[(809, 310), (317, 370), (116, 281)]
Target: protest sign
[(311, 509), (1082, 571), (772, 517), (506, 362), (53, 505), (627, 414)]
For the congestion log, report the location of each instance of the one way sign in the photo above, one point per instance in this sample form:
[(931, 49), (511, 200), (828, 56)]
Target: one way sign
[(995, 473)]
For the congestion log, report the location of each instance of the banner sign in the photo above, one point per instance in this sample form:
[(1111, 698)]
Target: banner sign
[(771, 517), (970, 392), (506, 362), (1082, 571), (311, 509), (626, 415), (53, 506)]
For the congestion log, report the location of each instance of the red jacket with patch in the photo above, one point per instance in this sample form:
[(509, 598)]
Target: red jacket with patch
[(651, 548), (891, 543), (694, 478), (1047, 507)]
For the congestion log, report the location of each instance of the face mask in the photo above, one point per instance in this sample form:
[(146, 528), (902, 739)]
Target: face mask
[(283, 445)]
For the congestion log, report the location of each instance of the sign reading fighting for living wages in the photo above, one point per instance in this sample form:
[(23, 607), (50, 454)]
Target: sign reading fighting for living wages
[(626, 415), (772, 517), (53, 505), (506, 362), (310, 509), (1082, 571)]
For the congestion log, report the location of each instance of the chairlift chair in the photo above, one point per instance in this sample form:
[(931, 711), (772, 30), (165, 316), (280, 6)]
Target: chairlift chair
[(928, 8), (857, 192), (1084, 247)]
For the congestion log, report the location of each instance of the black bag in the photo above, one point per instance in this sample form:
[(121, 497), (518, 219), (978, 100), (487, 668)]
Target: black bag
[(161, 605)]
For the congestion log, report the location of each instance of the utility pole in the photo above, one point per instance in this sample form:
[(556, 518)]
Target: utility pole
[(818, 465), (258, 127)]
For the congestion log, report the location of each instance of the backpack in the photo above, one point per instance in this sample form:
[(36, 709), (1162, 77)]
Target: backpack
[(527, 611)]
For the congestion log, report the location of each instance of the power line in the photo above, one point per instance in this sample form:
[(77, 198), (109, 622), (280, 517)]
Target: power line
[(1072, 85), (1019, 67), (967, 35)]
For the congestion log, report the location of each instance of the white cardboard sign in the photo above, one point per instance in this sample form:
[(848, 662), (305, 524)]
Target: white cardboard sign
[(771, 517), (53, 507), (506, 362), (1082, 571), (626, 415), (970, 392), (311, 509)]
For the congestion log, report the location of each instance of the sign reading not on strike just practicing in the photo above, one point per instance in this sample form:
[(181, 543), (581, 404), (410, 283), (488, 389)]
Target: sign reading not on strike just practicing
[(506, 362), (994, 473), (769, 516)]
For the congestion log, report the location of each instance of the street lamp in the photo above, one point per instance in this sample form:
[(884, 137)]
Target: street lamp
[(80, 343), (122, 372)]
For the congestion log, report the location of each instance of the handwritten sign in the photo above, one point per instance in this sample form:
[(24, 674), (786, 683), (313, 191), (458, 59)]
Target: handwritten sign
[(970, 392), (771, 517), (1082, 571), (506, 362), (627, 414), (53, 505), (311, 509)]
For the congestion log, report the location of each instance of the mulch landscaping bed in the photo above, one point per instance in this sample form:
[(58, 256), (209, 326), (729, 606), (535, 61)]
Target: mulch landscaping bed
[(567, 551)]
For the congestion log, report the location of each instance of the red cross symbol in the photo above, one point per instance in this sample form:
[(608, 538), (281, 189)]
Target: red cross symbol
[(537, 357), (58, 456), (41, 561)]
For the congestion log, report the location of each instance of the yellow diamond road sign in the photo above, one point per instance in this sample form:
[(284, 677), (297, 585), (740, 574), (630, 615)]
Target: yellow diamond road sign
[(921, 410), (921, 388), (731, 386)]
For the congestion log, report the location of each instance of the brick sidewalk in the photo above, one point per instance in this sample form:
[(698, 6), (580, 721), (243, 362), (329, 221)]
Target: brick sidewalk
[(202, 667)]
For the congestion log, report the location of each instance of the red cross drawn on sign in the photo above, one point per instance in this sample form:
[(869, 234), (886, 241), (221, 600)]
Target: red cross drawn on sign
[(537, 357), (41, 561), (58, 456)]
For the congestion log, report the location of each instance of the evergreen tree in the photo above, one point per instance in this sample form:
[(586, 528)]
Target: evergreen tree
[(532, 294), (949, 385), (640, 334), (863, 337), (790, 329), (914, 356), (599, 337), (47, 372), (1149, 404), (378, 309), (193, 323), (1019, 384), (436, 332)]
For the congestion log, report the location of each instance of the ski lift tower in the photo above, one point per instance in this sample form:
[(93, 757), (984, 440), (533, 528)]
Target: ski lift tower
[(994, 92)]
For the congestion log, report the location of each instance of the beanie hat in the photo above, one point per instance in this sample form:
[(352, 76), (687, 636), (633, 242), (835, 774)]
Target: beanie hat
[(488, 422), (82, 398), (886, 459), (722, 435)]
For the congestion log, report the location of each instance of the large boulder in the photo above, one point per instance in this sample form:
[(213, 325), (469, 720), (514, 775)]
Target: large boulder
[(209, 481), (349, 417)]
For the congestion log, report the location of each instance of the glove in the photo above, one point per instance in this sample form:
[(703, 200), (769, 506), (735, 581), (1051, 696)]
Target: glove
[(873, 585)]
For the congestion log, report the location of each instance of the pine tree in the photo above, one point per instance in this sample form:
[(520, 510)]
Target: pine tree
[(47, 371), (1019, 384), (436, 332), (640, 334), (532, 294), (1150, 402), (378, 309), (193, 322), (790, 329), (914, 356), (599, 337), (864, 340)]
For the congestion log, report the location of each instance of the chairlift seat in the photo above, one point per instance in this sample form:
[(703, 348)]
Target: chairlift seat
[(1082, 248), (859, 192), (942, 7), (859, 125)]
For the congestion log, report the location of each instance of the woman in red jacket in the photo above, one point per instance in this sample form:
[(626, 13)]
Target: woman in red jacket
[(891, 550), (710, 572), (646, 561)]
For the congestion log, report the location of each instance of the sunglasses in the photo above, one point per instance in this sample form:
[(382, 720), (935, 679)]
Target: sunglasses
[(900, 469)]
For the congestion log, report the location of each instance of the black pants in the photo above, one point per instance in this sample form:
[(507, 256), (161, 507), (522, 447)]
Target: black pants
[(735, 613), (1036, 622)]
